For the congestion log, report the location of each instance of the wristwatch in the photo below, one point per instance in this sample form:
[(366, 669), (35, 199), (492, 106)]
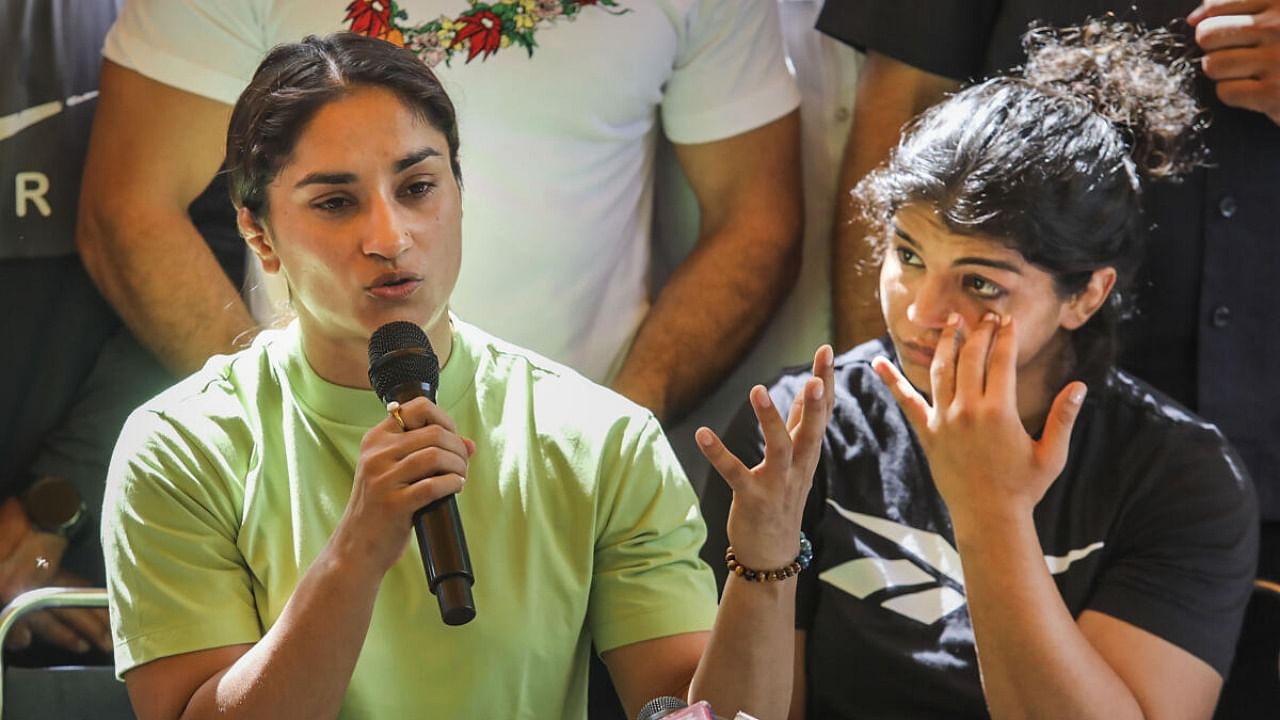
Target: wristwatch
[(54, 505)]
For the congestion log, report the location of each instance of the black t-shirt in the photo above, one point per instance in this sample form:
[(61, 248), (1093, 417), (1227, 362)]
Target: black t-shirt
[(1152, 522), (1208, 329)]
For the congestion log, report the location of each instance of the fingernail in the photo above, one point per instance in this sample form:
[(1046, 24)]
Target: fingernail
[(703, 436), (990, 318), (816, 392), (764, 399), (953, 319), (1077, 396), (1005, 320)]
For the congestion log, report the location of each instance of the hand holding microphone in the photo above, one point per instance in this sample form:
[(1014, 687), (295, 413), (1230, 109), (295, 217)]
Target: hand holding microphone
[(430, 456)]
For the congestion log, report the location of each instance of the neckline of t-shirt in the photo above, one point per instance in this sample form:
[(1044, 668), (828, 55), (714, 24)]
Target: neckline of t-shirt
[(360, 406)]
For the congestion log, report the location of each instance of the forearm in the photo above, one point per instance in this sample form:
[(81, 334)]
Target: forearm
[(1034, 659), (160, 276), (715, 305), (890, 94), (747, 665), (856, 314), (302, 666)]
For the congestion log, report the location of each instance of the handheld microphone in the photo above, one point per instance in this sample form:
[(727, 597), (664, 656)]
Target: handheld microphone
[(673, 708), (402, 366)]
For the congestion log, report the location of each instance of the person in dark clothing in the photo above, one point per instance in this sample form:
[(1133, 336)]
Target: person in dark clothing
[(70, 372), (1002, 522), (1206, 328)]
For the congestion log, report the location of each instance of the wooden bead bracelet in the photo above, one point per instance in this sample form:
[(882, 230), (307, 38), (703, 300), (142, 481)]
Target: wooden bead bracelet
[(801, 562)]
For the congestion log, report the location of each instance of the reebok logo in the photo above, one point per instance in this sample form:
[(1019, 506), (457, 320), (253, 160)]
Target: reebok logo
[(15, 123), (942, 594)]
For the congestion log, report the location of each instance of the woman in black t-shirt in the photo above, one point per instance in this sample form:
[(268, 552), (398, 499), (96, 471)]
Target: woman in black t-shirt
[(1107, 537)]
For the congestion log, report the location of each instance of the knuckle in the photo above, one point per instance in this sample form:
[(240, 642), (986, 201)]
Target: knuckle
[(433, 434), (430, 457), (961, 414)]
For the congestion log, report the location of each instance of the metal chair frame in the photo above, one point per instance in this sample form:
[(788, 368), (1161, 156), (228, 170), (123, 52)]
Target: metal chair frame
[(44, 599)]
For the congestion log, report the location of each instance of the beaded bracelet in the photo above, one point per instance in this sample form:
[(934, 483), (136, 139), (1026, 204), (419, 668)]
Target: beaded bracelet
[(801, 562)]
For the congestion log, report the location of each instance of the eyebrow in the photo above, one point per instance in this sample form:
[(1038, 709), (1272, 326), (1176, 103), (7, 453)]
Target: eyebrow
[(983, 261), (416, 157), (344, 178)]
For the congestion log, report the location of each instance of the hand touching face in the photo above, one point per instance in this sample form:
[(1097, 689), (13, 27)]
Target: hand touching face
[(931, 272)]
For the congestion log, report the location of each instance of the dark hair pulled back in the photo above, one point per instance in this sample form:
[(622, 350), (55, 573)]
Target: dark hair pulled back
[(295, 80), (1051, 160)]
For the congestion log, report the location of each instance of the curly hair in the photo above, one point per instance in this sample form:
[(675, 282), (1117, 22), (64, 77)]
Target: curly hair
[(1051, 160)]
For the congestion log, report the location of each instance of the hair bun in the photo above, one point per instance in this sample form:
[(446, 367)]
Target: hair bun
[(1140, 79)]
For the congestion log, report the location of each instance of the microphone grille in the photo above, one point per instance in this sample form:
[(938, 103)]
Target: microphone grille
[(660, 707), (399, 352)]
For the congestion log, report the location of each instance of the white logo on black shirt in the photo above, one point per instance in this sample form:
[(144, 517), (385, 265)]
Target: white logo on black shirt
[(921, 549)]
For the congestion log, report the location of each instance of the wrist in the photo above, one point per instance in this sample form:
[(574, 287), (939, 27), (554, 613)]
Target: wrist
[(772, 571), (992, 527), (353, 557)]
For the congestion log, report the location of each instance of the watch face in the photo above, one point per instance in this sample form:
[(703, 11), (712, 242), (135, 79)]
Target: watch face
[(52, 504)]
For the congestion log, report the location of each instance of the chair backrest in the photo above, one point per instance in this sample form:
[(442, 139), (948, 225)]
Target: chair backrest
[(73, 692), (1252, 690)]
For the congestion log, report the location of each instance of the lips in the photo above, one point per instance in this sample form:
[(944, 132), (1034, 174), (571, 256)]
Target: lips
[(394, 285), (916, 353)]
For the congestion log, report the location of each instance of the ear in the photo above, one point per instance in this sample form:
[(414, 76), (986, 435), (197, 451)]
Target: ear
[(1081, 306), (255, 234)]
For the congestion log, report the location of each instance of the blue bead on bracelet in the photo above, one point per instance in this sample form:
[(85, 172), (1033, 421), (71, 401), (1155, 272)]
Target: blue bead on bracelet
[(802, 561)]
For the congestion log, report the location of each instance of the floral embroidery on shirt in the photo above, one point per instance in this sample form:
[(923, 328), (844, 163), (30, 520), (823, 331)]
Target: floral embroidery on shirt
[(479, 32)]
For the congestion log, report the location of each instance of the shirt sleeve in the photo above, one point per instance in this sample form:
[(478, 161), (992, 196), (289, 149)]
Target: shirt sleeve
[(176, 579), (648, 581), (1184, 567), (731, 74), (944, 37), (205, 47)]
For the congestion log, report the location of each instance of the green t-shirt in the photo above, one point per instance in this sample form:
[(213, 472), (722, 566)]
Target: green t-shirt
[(580, 524)]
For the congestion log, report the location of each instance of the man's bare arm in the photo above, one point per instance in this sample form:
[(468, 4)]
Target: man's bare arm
[(722, 295), (152, 151), (890, 93)]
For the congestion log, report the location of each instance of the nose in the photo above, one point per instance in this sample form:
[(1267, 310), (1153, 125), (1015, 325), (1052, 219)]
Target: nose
[(931, 304), (386, 233)]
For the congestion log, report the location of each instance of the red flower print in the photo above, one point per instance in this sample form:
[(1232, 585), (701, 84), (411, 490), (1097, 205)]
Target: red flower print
[(370, 17), (484, 29)]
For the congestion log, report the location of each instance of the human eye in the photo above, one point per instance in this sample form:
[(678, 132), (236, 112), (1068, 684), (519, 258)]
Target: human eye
[(419, 188), (984, 288), (907, 256), (333, 203)]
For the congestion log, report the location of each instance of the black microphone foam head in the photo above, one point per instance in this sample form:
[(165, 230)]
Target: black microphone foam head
[(399, 352), (661, 707)]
